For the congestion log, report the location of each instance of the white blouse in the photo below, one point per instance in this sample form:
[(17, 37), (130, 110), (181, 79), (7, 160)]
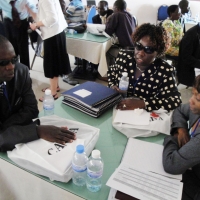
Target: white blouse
[(51, 15)]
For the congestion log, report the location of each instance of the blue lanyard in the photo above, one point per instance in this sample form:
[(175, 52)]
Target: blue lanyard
[(6, 95), (197, 124)]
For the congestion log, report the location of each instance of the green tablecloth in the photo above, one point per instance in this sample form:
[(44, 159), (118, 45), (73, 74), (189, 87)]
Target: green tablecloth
[(111, 143)]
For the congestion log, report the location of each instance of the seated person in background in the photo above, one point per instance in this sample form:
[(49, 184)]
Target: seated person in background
[(18, 105), (75, 12), (121, 24), (185, 10), (189, 56), (151, 80), (182, 149), (104, 13), (174, 29)]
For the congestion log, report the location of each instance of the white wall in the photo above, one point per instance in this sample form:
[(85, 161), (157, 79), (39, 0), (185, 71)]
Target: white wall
[(146, 10)]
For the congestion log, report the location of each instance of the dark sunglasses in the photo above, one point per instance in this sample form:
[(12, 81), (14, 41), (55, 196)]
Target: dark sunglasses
[(6, 62), (148, 50)]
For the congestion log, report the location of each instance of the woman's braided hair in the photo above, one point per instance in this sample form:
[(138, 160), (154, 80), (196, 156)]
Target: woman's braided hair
[(157, 35)]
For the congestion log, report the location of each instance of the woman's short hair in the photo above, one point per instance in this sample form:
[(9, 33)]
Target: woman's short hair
[(157, 35), (171, 9), (196, 83)]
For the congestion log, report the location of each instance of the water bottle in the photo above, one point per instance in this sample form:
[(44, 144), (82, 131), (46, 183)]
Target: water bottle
[(72, 31), (94, 171), (123, 84), (48, 103), (79, 166)]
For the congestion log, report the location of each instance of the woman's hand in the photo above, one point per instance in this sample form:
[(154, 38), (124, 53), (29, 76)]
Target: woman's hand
[(33, 26), (130, 104), (114, 87), (182, 136)]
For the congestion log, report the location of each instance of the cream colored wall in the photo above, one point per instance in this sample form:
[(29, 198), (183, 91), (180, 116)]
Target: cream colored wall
[(146, 10)]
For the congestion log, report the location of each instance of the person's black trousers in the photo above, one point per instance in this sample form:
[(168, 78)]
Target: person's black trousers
[(18, 37)]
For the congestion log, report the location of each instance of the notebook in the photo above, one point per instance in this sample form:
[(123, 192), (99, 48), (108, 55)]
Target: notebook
[(91, 98)]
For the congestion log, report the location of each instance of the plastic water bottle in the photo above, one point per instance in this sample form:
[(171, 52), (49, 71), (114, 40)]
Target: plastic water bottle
[(79, 166), (72, 31), (48, 103), (123, 84), (94, 171)]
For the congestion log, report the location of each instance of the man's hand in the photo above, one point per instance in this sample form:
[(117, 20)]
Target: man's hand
[(183, 136), (130, 104), (55, 134)]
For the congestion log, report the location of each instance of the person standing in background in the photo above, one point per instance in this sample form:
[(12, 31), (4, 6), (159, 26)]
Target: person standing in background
[(174, 29), (122, 25), (103, 13), (75, 12), (16, 25), (51, 21)]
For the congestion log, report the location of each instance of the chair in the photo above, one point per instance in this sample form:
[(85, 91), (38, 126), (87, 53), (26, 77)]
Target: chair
[(37, 47), (91, 3), (1, 15), (91, 14), (2, 29), (135, 20), (162, 13)]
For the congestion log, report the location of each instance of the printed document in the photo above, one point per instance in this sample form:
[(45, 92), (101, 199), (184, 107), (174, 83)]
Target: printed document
[(142, 176), (145, 185)]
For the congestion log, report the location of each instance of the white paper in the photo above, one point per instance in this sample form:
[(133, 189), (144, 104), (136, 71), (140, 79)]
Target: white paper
[(146, 156), (82, 93), (145, 185), (132, 117)]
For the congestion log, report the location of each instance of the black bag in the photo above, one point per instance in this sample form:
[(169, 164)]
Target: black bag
[(78, 27)]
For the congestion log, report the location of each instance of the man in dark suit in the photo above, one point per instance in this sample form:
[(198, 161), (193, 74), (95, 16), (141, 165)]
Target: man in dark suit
[(18, 105), (103, 11), (189, 56)]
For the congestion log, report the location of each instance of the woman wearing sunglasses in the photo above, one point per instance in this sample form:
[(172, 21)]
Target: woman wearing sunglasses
[(151, 80)]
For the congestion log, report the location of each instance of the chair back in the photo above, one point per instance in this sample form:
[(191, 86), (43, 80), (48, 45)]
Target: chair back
[(1, 15), (162, 13), (91, 3), (91, 14), (2, 30), (135, 20)]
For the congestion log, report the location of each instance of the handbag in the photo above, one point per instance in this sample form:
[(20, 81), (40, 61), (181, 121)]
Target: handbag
[(51, 159), (158, 121)]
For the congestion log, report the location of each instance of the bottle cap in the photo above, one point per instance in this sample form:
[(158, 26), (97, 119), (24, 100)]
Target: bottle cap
[(47, 92), (96, 154), (124, 74), (79, 148)]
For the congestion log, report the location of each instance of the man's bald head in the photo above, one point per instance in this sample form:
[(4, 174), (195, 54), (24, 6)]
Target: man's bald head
[(5, 45)]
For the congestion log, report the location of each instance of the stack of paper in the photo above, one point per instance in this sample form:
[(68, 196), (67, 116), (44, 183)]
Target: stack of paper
[(142, 176), (91, 98)]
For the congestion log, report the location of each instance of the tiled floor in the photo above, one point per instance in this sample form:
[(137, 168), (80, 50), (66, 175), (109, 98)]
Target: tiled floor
[(40, 82)]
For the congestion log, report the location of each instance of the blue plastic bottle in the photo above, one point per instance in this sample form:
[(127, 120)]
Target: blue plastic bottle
[(79, 166)]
